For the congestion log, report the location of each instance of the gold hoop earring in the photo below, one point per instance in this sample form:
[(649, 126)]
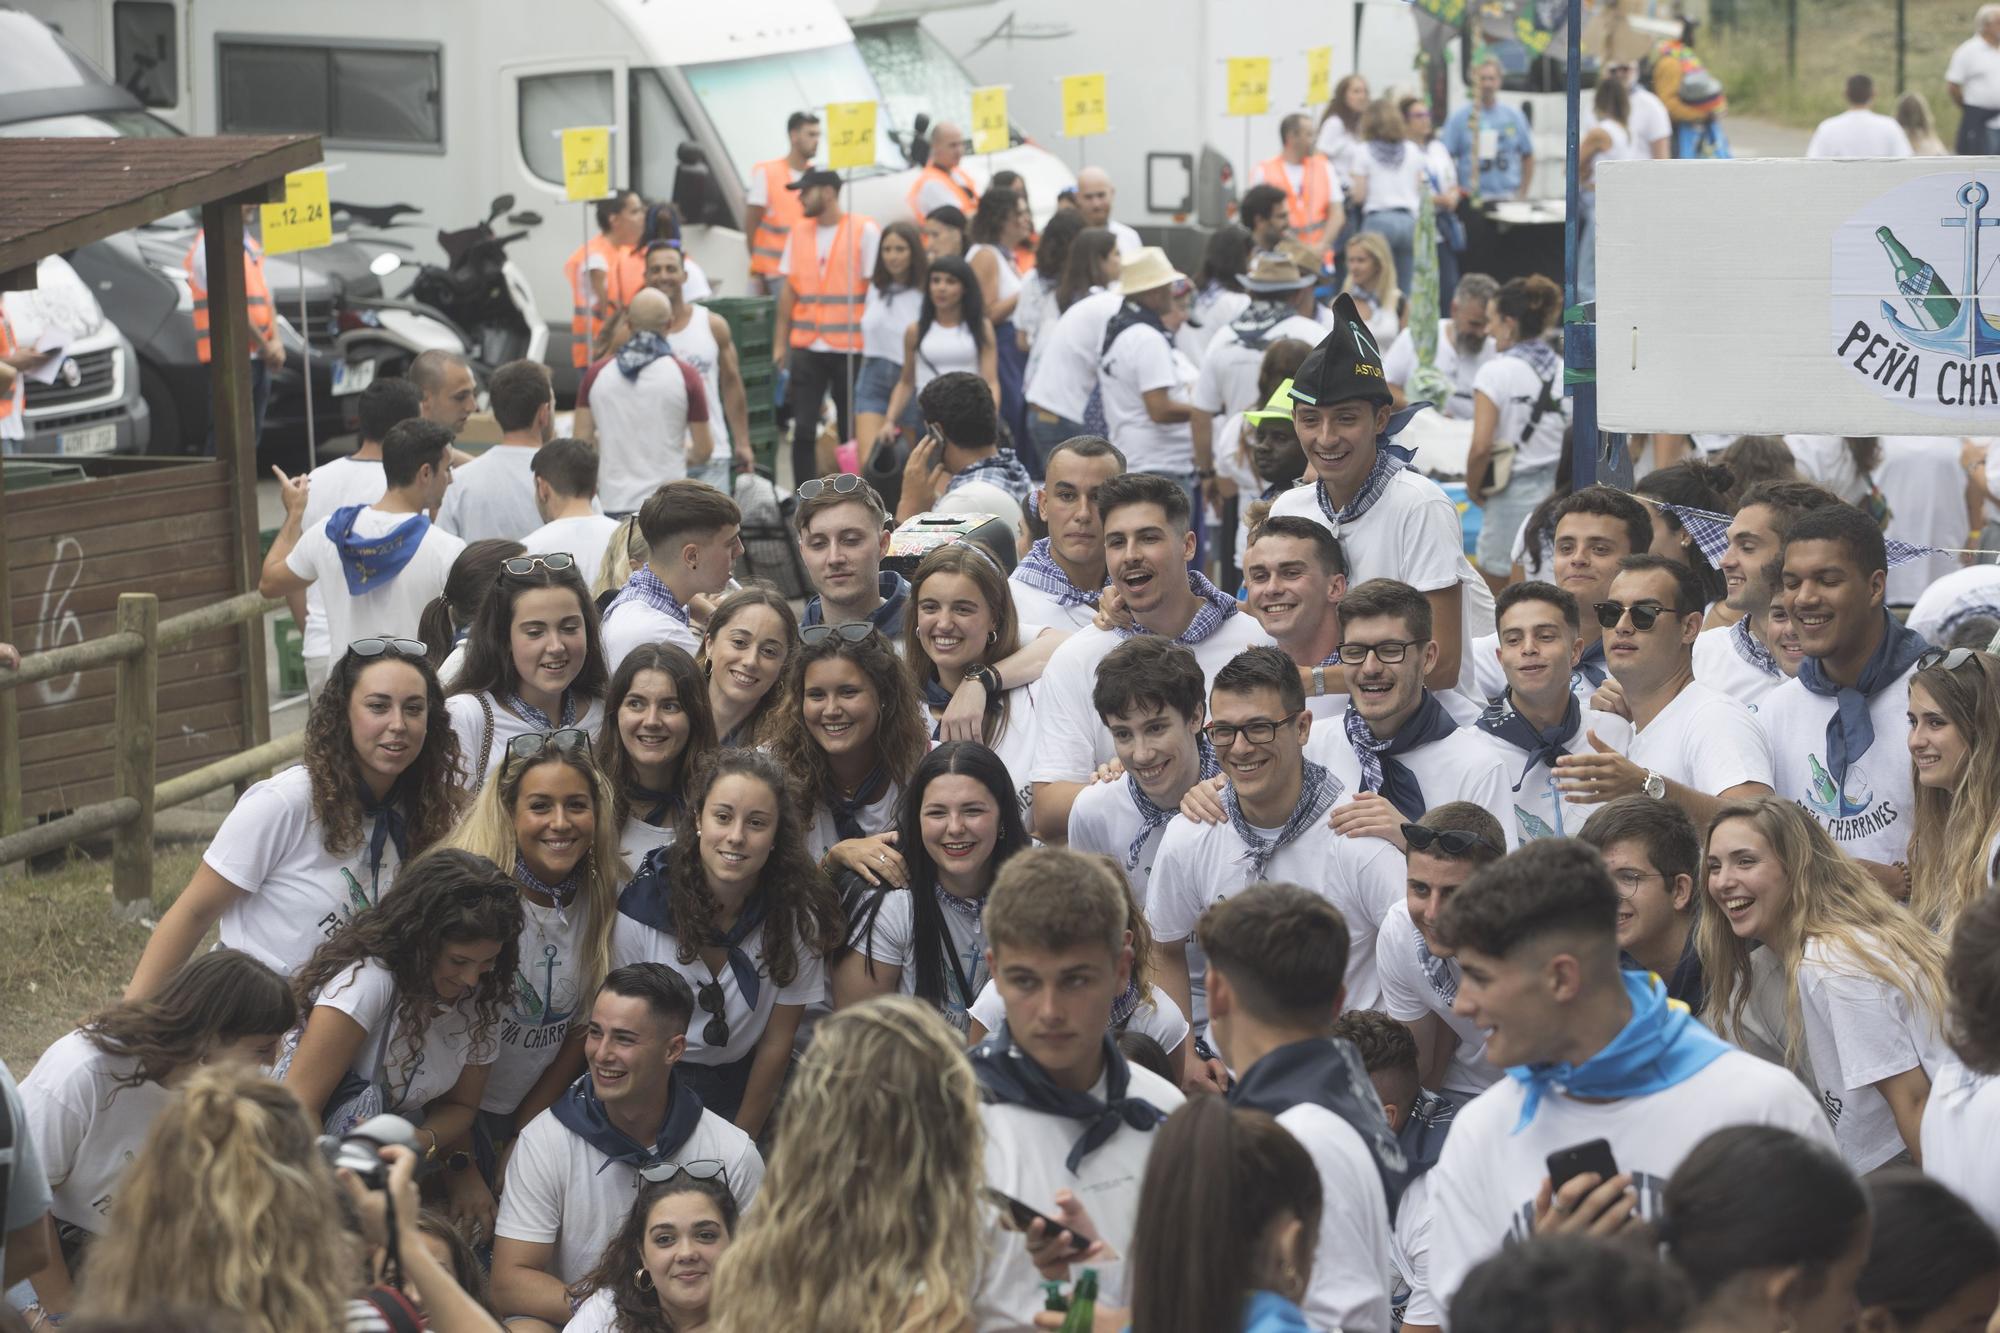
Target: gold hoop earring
[(643, 1280)]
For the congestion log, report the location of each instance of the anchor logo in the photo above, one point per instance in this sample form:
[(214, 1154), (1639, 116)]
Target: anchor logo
[(1943, 322)]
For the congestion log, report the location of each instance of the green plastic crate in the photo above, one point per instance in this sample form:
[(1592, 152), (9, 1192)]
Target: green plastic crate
[(291, 641)]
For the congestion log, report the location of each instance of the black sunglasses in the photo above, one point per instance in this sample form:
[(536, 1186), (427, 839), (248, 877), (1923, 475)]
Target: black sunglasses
[(568, 740), (377, 646), (854, 631), (1950, 658), (555, 562), (1644, 614), (840, 483), (1452, 842), (706, 1168), (715, 1032)]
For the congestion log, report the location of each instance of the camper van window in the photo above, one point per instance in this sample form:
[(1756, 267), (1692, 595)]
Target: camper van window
[(144, 51), (916, 74), (33, 58), (551, 103), (363, 94), (658, 132), (744, 98)]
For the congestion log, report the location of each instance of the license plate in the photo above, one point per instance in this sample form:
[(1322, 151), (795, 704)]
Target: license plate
[(352, 376), (90, 440)]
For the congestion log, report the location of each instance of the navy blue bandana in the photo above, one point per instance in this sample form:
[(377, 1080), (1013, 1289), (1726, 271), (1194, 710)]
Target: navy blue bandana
[(579, 1112), (1327, 1072), (1009, 1075), (1542, 747), (1381, 771), (527, 712), (1850, 731)]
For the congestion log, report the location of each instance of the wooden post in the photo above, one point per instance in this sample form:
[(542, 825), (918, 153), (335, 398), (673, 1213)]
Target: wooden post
[(10, 708), (134, 746)]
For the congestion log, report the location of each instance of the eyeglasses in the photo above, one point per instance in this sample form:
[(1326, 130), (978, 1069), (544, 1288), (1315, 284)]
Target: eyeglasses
[(708, 995), (1950, 658), (1644, 614), (1258, 731), (1452, 842), (1628, 880), (707, 1168), (1388, 652), (555, 562), (566, 740), (840, 483), (854, 631), (376, 647)]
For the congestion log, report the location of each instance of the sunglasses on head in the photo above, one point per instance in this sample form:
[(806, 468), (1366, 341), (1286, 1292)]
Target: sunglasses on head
[(1452, 842), (854, 631), (715, 1032), (1644, 614), (375, 647), (567, 740), (706, 1168), (555, 562), (840, 483), (1951, 659)]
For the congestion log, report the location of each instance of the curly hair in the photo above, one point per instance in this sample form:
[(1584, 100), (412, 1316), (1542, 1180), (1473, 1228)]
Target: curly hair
[(444, 895), (489, 643), (754, 593), (637, 1309), (967, 560), (902, 731), (804, 909), (690, 690), (885, 1083), (215, 998), (427, 790)]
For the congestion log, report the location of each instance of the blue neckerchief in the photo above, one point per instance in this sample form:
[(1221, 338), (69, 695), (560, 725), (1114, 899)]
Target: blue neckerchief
[(579, 1112), (648, 899), (936, 696), (1389, 460), (1327, 1072), (1253, 327), (562, 894), (1442, 973), (641, 350), (1216, 607), (1425, 1130), (659, 804), (646, 586), (1752, 650), (1543, 359), (1152, 816), (1318, 790), (1592, 666), (1661, 1047), (527, 712), (846, 811), (1009, 1075), (1381, 771), (1850, 731), (1129, 315), (388, 827), (894, 591), (1003, 469), (371, 562), (1269, 1312), (1542, 747), (1039, 570), (1125, 1006)]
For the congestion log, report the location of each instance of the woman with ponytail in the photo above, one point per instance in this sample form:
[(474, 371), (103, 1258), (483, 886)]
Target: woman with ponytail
[(1517, 418), (448, 618)]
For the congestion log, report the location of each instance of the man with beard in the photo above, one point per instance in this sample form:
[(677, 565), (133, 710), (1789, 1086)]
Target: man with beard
[(1463, 346)]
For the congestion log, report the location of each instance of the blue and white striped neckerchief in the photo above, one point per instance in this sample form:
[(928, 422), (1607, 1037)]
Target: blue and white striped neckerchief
[(527, 712), (1151, 816), (646, 586), (1318, 790), (1039, 570), (1216, 607), (1751, 648)]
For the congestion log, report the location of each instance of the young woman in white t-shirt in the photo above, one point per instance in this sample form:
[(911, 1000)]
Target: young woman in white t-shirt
[(658, 732), (952, 332), (1035, 314), (1371, 281), (534, 661), (658, 1272), (1389, 176), (1340, 125), (306, 850), (1517, 409), (746, 650), (448, 619), (1865, 984), (93, 1094), (895, 299), (1955, 761), (1609, 140)]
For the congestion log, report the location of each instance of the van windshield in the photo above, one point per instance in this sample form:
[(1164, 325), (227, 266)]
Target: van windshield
[(917, 75), (748, 100)]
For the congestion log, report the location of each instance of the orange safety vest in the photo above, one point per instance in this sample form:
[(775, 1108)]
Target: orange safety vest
[(781, 210), (16, 396), (955, 180), (1309, 214), (588, 315), (256, 292), (827, 299)]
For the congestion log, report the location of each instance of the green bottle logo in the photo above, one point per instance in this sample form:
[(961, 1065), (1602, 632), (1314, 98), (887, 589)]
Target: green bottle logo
[(1930, 300)]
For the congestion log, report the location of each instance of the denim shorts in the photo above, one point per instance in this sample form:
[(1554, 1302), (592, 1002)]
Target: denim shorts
[(874, 384)]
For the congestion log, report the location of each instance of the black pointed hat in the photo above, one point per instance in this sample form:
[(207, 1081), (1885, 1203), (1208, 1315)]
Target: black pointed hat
[(1346, 365)]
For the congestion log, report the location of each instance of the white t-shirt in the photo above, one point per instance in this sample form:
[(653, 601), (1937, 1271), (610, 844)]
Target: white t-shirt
[(1457, 768), (1032, 606), (1827, 461), (1869, 816), (1721, 665), (1213, 308), (86, 1128), (1411, 533), (635, 942), (1015, 745), (586, 536), (335, 485), (1229, 369), (1859, 132), (1650, 121), (1410, 1250), (634, 624), (1103, 819), (1514, 387), (1129, 243), (366, 993), (637, 838), (944, 350), (1975, 588), (1539, 810), (1975, 68), (492, 496), (885, 317), (1483, 1187), (1961, 1125), (1156, 1015), (1858, 1031), (1351, 1263), (1705, 740), (542, 1002), (1400, 362), (1139, 361), (1397, 185), (469, 722), (1415, 983), (1026, 1154), (295, 894), (878, 816), (890, 941), (642, 427), (1335, 140), (391, 609), (696, 343), (597, 1314), (1068, 371), (563, 1192), (1924, 483), (1073, 740)]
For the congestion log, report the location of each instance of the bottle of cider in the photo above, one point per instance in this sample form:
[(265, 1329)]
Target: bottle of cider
[(1930, 300)]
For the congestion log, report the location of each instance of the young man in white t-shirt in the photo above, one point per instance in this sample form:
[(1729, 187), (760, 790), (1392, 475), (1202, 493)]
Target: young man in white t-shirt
[(575, 1168), (1057, 949), (692, 541), (565, 474), (1861, 130), (1294, 577), (1747, 660), (1691, 745), (494, 494), (1281, 306), (379, 565), (1961, 1121), (1060, 579), (1136, 369), (1537, 949), (1276, 953), (1652, 851), (1463, 346)]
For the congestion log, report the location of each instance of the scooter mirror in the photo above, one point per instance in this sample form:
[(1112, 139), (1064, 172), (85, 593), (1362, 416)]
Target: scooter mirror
[(502, 204), (528, 219)]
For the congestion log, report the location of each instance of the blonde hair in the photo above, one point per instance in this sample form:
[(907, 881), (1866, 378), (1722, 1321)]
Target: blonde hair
[(1830, 900), (228, 1206), (1383, 122), (1952, 829), (624, 551), (1385, 294), (870, 1214)]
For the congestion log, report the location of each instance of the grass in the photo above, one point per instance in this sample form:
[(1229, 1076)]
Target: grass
[(67, 955), (1836, 38)]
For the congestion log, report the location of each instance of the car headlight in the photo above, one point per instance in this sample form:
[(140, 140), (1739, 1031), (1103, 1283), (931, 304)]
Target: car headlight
[(384, 264)]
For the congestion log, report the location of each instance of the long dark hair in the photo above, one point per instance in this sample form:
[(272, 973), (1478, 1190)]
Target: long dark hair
[(902, 730), (638, 1308), (213, 998), (1052, 251), (1086, 253), (753, 594), (489, 654), (427, 791), (1928, 1245), (1225, 258), (465, 587), (445, 895), (1220, 1177), (1693, 484), (930, 940), (803, 906), (905, 231), (971, 306), (995, 210), (690, 688)]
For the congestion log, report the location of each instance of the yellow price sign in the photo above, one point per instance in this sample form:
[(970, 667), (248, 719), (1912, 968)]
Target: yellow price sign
[(1083, 106), (1249, 85), (1319, 75), (586, 155), (303, 221), (850, 135), (989, 120)]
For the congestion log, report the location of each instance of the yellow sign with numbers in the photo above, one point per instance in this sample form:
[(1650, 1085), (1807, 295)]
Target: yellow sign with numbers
[(586, 155), (850, 135), (989, 120), (1249, 85), (1319, 75), (1083, 106), (303, 221)]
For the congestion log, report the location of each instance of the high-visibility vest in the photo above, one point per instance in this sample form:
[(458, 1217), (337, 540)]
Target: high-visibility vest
[(781, 210), (1309, 213), (17, 396), (588, 315), (256, 292), (955, 180), (828, 299)]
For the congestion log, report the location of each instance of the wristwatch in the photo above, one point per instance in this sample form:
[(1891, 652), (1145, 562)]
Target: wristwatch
[(459, 1160), (1319, 681), (989, 680), (1655, 786)]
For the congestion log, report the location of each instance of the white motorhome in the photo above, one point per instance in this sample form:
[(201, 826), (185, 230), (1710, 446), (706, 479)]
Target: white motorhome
[(445, 105)]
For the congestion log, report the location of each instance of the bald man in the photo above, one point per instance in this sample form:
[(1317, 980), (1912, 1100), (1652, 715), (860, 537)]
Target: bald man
[(650, 410), (1094, 196), (943, 181)]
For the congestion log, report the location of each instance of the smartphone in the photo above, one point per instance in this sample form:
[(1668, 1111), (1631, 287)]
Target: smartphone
[(1024, 1217), (1566, 1164)]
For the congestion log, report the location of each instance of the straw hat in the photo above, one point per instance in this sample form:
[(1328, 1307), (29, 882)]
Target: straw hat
[(1146, 270)]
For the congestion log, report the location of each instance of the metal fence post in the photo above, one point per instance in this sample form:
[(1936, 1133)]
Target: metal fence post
[(134, 750)]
